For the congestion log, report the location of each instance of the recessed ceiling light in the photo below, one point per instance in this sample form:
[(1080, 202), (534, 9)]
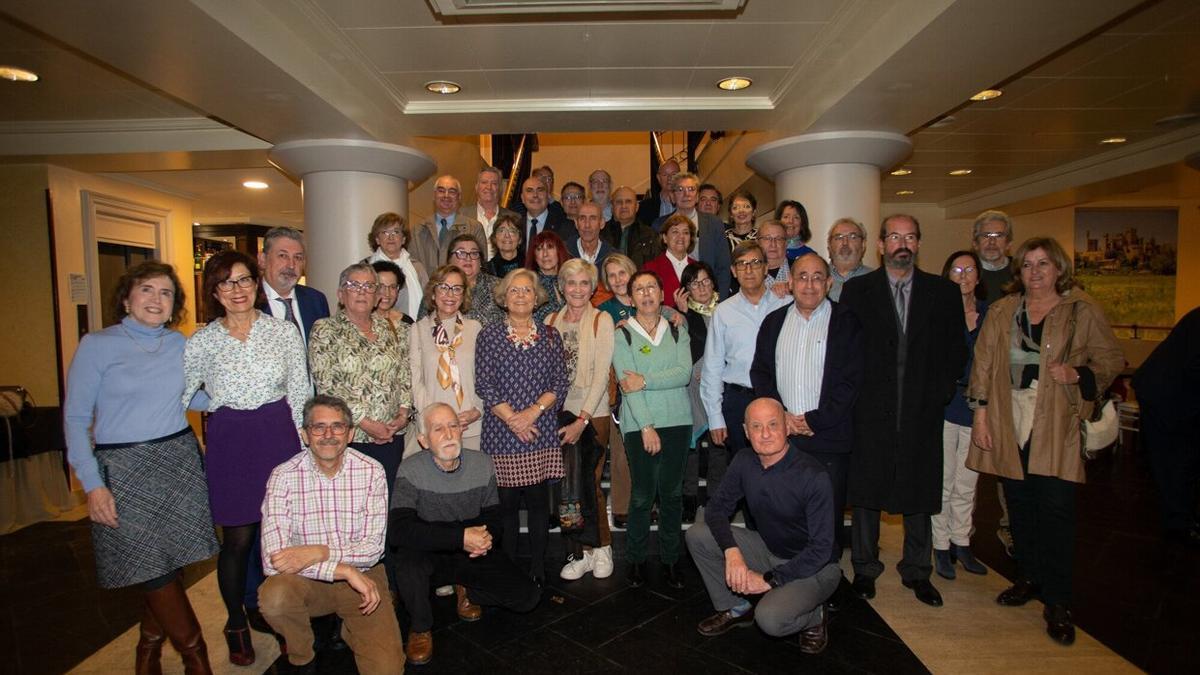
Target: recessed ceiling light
[(15, 74), (987, 95), (442, 87), (960, 172), (735, 83), (901, 172), (904, 193), (255, 184), (1113, 140)]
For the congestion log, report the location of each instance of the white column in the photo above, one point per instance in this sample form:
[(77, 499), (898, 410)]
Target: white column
[(345, 185), (834, 174)]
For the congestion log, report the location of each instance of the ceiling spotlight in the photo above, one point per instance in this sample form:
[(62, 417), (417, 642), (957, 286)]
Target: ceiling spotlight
[(904, 193), (255, 184), (735, 83), (1113, 140), (987, 95), (442, 87), (901, 172), (15, 74), (960, 172)]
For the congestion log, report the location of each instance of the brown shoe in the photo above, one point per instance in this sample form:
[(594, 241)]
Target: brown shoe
[(814, 639), (419, 649), (721, 622), (174, 613), (149, 646), (466, 610)]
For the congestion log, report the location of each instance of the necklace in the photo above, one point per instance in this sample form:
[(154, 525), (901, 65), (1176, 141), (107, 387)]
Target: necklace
[(139, 345)]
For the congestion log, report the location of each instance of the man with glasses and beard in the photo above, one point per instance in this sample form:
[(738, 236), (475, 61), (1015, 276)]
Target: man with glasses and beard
[(914, 353), (847, 243)]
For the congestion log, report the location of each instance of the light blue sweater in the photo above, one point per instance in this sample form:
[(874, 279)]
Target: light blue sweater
[(667, 368)]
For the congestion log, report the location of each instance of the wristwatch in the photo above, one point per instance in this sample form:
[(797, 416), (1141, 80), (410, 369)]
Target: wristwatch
[(769, 577)]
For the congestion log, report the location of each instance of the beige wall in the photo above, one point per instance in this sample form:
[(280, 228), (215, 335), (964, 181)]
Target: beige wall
[(624, 155), (27, 356)]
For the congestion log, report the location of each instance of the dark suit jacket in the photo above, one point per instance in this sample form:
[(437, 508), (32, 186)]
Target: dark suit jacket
[(556, 222), (642, 245), (605, 250), (714, 248), (897, 461), (312, 304), (648, 209), (833, 420)]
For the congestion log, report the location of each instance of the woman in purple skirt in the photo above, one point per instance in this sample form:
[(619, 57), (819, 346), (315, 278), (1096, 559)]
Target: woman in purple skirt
[(253, 370)]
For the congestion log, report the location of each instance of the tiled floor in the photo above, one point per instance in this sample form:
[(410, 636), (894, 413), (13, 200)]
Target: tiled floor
[(1133, 594)]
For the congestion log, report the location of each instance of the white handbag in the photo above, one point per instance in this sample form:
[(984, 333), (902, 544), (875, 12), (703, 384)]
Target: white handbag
[(1099, 430)]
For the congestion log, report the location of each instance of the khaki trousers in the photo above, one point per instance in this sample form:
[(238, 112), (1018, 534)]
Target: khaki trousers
[(619, 482)]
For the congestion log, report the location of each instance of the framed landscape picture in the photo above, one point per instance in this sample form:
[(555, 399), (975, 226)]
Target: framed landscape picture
[(1126, 259)]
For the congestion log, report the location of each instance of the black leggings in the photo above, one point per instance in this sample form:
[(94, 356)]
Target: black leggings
[(231, 569), (537, 506)]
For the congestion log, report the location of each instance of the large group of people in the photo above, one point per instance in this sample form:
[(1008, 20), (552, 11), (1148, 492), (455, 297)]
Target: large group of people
[(489, 362)]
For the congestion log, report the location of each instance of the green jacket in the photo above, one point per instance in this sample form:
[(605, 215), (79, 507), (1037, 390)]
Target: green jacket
[(667, 369)]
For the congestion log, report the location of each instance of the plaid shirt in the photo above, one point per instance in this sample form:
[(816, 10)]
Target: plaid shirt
[(347, 513)]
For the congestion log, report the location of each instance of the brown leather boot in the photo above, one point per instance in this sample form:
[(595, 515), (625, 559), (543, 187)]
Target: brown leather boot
[(174, 613), (419, 649), (466, 610), (149, 646)]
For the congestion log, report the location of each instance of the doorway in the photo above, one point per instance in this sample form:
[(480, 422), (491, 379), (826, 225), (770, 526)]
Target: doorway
[(113, 260)]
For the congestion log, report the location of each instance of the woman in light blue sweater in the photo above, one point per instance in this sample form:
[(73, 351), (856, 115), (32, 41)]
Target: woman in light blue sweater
[(654, 361)]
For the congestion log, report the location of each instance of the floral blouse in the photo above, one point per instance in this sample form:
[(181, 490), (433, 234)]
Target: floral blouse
[(268, 366), (373, 378)]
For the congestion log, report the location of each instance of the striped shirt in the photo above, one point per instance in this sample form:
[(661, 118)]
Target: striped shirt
[(729, 349), (347, 513), (800, 358)]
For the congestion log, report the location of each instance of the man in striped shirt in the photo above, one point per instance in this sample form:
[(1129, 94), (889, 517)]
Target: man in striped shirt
[(809, 357), (324, 517)]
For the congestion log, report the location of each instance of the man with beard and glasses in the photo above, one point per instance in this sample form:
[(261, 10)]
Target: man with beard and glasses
[(914, 353), (992, 233), (282, 263), (847, 243)]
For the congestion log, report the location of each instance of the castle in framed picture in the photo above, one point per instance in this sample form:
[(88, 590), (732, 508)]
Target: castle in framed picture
[(1126, 259)]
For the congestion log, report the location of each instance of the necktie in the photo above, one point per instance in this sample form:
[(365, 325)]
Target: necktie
[(901, 305), (532, 230), (289, 314), (443, 234)]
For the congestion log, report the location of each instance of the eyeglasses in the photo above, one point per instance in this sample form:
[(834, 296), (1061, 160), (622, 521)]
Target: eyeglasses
[(751, 264), (390, 288), (700, 283), (896, 237), (394, 232), (450, 289), (240, 282), (689, 189), (772, 240), (970, 269), (360, 286), (464, 254), (814, 278), (520, 290), (847, 236), (323, 429), (446, 191), (572, 197), (645, 290), (991, 236)]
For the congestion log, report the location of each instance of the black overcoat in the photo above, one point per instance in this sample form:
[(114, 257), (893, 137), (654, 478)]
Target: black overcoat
[(898, 468)]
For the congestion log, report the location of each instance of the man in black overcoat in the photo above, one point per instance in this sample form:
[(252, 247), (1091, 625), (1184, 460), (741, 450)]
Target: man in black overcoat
[(914, 353)]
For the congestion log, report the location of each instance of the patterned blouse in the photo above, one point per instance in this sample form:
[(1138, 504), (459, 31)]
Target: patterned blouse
[(519, 376), (554, 300), (483, 303), (372, 377), (268, 366)]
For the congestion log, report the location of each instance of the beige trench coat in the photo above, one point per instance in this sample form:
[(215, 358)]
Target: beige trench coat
[(1054, 442)]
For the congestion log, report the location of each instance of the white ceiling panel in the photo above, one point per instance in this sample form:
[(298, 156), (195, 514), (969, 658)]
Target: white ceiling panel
[(1076, 93), (377, 13), (400, 49), (520, 84), (647, 45), (792, 10), (411, 84)]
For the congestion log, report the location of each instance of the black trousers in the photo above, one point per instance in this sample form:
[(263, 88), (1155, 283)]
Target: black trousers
[(837, 464), (1175, 466), (1041, 514), (734, 400), (492, 580), (916, 563)]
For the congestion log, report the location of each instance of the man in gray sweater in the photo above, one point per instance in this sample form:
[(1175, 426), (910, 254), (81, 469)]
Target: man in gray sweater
[(444, 512)]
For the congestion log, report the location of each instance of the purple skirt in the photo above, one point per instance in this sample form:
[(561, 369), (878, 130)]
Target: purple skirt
[(244, 446)]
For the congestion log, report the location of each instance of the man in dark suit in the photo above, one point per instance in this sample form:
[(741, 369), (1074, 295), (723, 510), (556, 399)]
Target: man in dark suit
[(587, 244), (809, 356), (628, 235), (662, 204), (711, 246), (539, 218), (546, 175), (282, 263), (915, 351)]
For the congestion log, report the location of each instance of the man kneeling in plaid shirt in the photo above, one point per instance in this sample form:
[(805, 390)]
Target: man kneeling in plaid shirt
[(324, 518)]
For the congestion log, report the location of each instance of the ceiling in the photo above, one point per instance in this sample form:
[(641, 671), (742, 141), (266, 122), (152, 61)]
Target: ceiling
[(188, 94)]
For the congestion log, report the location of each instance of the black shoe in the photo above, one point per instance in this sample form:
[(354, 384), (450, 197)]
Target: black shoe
[(689, 508), (1018, 594), (637, 574), (671, 576), (925, 592), (841, 595), (539, 580), (619, 521), (864, 587), (257, 621), (814, 639), (1059, 625)]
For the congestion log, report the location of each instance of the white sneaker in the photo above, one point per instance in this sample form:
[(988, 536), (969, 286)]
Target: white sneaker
[(576, 567), (602, 562)]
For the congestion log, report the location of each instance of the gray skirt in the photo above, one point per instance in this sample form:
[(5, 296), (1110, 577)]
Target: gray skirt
[(162, 510)]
